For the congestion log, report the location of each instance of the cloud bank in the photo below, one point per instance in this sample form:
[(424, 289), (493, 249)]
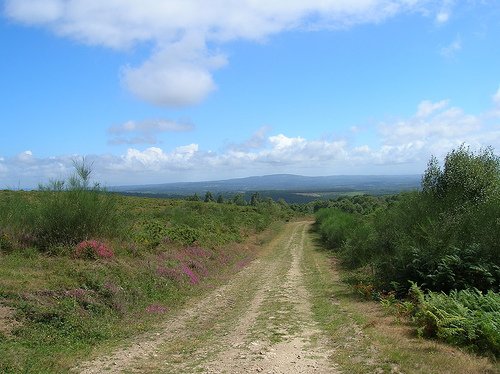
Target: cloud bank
[(186, 35), (404, 146)]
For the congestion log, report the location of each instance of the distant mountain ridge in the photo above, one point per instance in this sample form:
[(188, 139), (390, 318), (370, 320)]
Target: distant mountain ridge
[(282, 182)]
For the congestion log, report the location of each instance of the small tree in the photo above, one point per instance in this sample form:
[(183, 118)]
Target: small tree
[(74, 210), (239, 200), (193, 197), (255, 199), (446, 236), (208, 197), (466, 177)]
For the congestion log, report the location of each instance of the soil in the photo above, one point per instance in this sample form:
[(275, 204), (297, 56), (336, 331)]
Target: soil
[(260, 321), (7, 321)]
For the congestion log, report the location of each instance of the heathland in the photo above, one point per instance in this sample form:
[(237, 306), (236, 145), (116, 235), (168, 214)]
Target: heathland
[(92, 281)]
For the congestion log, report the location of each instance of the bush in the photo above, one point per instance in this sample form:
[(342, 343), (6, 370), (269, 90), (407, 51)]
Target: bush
[(348, 235), (92, 249), (73, 211), (446, 236)]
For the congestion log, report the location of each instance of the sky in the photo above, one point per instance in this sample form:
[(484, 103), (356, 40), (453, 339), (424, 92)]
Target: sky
[(160, 91)]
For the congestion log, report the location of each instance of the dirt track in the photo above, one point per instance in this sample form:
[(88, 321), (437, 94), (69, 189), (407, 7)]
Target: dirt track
[(260, 321)]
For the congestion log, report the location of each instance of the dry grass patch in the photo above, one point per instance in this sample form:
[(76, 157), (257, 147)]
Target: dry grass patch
[(397, 342)]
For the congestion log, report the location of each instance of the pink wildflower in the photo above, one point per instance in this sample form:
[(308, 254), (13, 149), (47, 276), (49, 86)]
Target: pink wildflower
[(92, 249), (190, 273), (156, 308)]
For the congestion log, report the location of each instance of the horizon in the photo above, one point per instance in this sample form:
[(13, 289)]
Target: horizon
[(165, 92), (275, 175), (240, 179)]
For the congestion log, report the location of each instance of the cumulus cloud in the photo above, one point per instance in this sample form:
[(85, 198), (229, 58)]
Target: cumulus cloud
[(155, 159), (179, 70), (144, 131), (426, 108), (176, 76), (24, 159), (432, 121), (404, 146)]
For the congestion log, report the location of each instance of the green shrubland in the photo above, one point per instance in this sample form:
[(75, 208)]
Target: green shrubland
[(445, 238), (80, 266)]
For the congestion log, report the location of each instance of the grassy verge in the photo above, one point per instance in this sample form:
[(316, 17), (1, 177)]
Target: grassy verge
[(368, 339), (63, 308)]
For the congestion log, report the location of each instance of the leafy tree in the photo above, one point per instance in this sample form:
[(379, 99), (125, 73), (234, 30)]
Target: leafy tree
[(466, 177), (446, 236), (194, 197), (220, 199), (209, 198), (282, 203), (255, 199), (269, 201), (239, 200)]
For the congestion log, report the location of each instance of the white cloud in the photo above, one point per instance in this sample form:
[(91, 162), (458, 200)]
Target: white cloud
[(35, 11), (450, 50), (24, 159), (404, 146), (495, 111), (426, 108), (432, 121), (442, 17), (3, 168), (146, 129), (179, 70), (496, 98), (258, 140), (176, 76)]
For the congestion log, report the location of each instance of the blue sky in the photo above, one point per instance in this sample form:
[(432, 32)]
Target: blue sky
[(162, 91)]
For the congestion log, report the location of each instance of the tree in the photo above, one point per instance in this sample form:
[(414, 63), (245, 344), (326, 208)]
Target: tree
[(282, 203), (208, 197), (446, 236), (466, 177), (255, 199), (239, 200), (194, 197)]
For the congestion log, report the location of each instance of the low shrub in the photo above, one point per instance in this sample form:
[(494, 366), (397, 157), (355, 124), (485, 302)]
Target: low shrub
[(349, 236), (467, 318), (92, 250)]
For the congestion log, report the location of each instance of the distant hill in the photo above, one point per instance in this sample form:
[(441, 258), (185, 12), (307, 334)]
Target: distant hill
[(288, 185)]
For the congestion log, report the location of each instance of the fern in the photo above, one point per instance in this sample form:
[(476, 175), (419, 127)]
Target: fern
[(467, 318)]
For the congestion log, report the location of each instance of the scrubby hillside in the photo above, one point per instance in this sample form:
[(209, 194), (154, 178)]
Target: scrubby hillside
[(79, 266)]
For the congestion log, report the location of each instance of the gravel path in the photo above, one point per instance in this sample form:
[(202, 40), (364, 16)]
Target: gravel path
[(260, 321)]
